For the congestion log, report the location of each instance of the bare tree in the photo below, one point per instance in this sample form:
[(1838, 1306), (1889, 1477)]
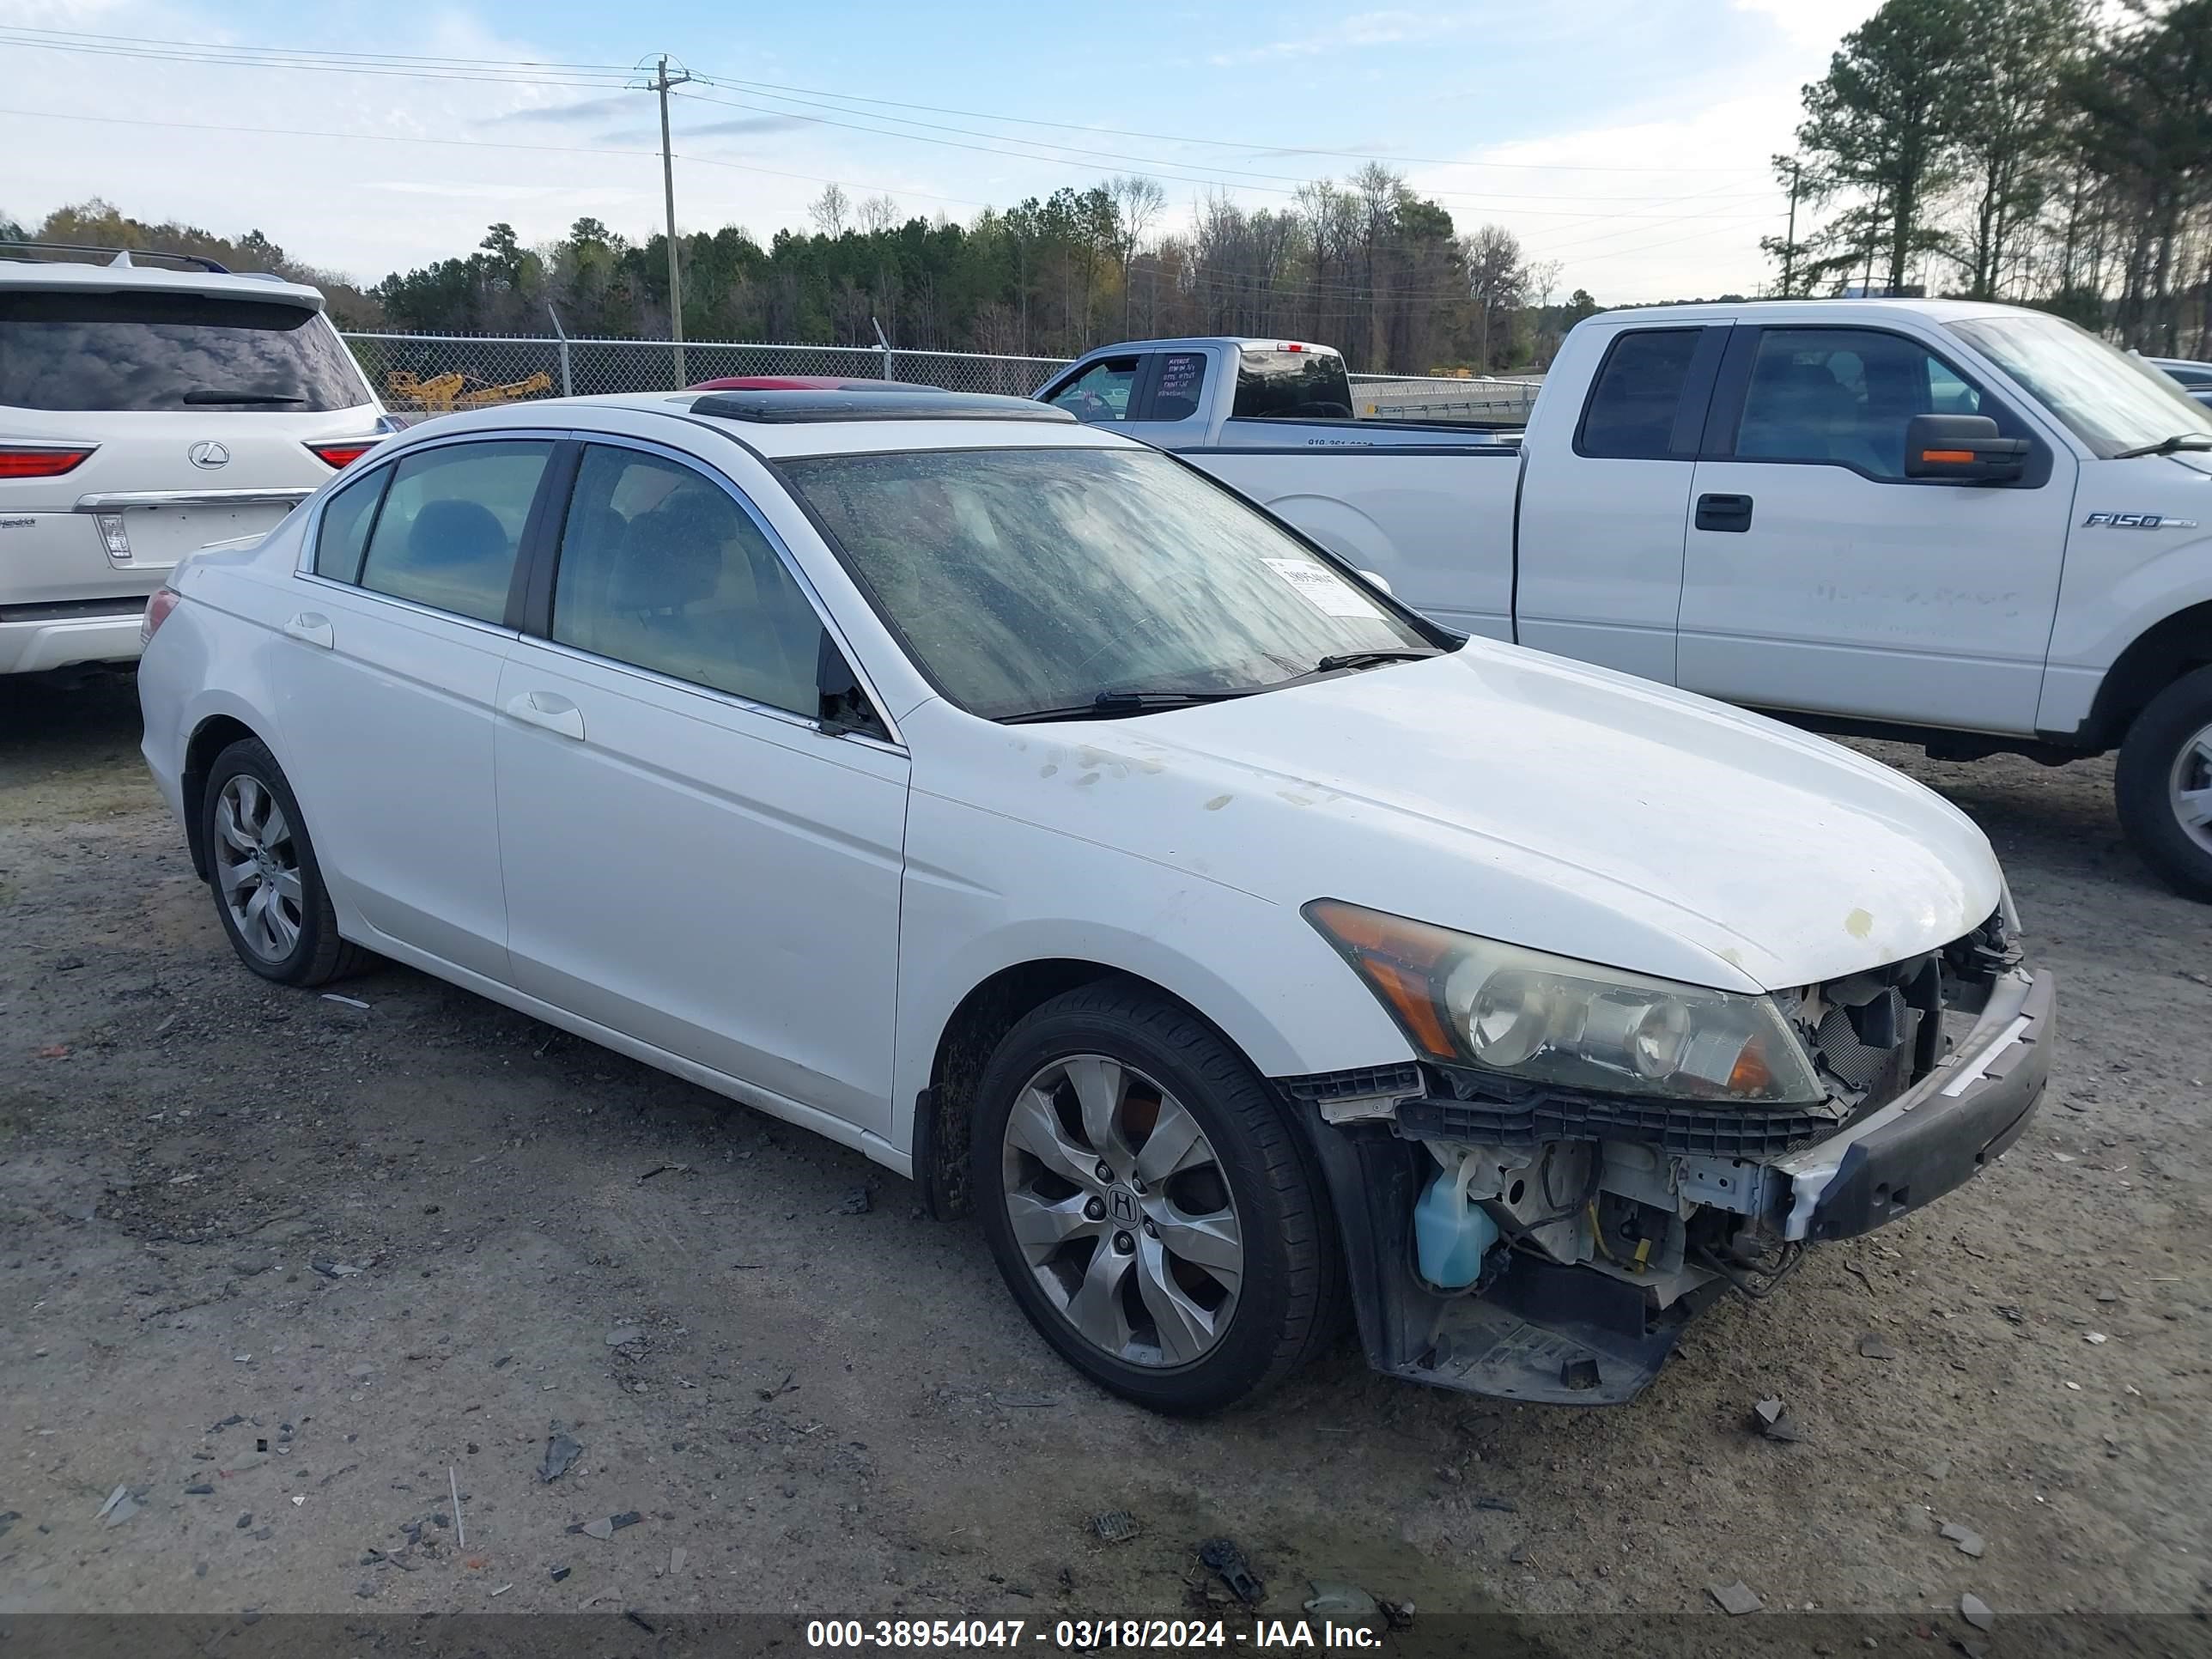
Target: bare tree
[(1138, 203), (1496, 283), (830, 210), (878, 213)]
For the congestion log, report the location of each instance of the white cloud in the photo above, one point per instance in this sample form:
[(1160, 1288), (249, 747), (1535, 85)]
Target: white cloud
[(1673, 205), (1366, 29), (1813, 22)]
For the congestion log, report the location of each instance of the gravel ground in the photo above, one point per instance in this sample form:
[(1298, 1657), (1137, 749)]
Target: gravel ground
[(295, 1272)]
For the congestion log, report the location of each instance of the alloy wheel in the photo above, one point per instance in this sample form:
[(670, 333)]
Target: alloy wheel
[(2189, 788), (1122, 1211), (258, 867)]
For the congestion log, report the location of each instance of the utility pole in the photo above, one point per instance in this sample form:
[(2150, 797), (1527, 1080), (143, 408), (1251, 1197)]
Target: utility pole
[(1790, 236), (662, 81)]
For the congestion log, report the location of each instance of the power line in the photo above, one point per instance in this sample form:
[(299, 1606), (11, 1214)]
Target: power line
[(1190, 174), (1246, 173), (307, 57), (469, 143), (597, 76)]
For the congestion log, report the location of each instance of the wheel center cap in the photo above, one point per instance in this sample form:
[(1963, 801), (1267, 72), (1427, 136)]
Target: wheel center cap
[(1121, 1204)]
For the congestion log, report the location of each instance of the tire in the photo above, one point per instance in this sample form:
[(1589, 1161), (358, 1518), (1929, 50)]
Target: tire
[(2167, 756), (257, 841), (1211, 1346)]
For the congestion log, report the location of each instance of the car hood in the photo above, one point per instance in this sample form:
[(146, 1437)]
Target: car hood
[(1516, 795)]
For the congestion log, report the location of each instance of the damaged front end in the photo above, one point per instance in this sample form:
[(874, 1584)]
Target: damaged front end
[(1544, 1240)]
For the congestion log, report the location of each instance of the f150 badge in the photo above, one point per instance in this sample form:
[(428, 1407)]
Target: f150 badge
[(2136, 521)]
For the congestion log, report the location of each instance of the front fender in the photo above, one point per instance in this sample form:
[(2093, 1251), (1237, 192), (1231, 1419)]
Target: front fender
[(1258, 971)]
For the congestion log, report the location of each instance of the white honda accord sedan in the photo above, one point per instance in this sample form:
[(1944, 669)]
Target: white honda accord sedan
[(1012, 803)]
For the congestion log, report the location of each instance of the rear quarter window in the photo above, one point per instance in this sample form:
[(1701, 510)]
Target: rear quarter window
[(1632, 404), (152, 351), (343, 533)]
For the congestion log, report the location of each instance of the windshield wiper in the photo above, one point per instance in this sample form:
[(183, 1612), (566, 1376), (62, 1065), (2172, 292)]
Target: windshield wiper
[(2168, 446), (208, 394), (1370, 659), (1119, 705)]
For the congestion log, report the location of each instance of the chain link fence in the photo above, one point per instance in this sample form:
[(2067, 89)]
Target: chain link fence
[(423, 374)]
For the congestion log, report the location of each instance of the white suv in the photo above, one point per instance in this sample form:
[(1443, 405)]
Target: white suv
[(144, 413)]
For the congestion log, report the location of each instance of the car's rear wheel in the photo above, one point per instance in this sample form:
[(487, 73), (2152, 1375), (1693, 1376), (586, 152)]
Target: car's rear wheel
[(1148, 1204), (2164, 784), (268, 888)]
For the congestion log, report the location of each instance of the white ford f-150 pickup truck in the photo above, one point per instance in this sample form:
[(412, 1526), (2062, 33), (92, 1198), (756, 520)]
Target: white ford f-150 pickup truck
[(1973, 526)]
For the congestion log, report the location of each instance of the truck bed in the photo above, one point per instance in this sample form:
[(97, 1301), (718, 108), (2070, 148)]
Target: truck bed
[(1433, 520)]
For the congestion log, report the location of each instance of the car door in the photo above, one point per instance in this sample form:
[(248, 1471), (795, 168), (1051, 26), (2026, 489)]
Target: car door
[(693, 856), (1819, 578), (395, 634), (1599, 560)]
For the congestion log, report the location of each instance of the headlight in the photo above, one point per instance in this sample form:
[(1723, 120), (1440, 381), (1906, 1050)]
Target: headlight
[(1472, 1001)]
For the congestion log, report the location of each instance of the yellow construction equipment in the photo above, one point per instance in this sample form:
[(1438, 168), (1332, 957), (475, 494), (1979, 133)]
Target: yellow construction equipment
[(441, 394)]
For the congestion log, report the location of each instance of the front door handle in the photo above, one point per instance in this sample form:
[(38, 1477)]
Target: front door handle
[(1724, 513), (548, 709), (312, 626)]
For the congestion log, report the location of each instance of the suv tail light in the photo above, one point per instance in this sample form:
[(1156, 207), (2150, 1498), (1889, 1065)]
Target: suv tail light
[(40, 461), (343, 452), (159, 604)]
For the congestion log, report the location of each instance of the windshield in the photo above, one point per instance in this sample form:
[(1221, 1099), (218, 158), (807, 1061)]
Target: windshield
[(151, 350), (1028, 580), (2112, 401)]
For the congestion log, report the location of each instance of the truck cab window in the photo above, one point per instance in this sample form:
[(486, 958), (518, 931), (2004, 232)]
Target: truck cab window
[(1100, 393), (1631, 413), (1844, 395)]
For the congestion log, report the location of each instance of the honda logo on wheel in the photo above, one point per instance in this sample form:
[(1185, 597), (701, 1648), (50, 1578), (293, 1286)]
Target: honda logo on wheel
[(208, 454), (1125, 1206)]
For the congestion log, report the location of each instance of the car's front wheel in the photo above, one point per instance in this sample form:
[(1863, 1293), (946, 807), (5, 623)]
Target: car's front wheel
[(1148, 1203), (268, 888), (2164, 784)]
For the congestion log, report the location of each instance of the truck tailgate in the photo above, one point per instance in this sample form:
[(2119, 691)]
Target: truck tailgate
[(1436, 523)]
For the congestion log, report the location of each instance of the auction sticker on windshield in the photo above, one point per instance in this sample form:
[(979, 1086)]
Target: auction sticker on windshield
[(1322, 588)]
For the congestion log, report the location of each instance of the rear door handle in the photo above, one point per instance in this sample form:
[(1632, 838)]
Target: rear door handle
[(548, 709), (1724, 513), (312, 626)]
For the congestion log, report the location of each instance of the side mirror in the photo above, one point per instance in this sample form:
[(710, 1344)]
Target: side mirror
[(1377, 577), (1965, 448)]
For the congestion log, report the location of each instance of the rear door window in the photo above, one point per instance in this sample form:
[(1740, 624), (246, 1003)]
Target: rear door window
[(151, 351), (1181, 382), (1101, 392), (452, 521), (1286, 383), (1638, 391)]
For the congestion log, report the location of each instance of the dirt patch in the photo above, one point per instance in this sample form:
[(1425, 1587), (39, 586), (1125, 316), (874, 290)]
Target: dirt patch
[(294, 1273)]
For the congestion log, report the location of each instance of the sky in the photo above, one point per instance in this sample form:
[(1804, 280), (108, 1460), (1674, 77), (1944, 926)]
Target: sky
[(1626, 140)]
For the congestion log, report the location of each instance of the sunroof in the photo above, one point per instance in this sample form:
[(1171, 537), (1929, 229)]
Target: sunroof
[(901, 402)]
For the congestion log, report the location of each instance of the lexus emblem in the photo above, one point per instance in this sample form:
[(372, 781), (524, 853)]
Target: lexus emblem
[(208, 454)]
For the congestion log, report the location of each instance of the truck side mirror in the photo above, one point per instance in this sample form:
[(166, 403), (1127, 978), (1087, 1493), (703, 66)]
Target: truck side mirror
[(1965, 448)]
